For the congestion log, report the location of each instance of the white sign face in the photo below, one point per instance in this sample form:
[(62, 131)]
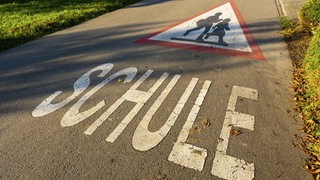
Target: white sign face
[(217, 28), (182, 153)]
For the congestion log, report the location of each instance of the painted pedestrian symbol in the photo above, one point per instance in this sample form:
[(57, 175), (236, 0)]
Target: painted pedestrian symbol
[(204, 23), (219, 30)]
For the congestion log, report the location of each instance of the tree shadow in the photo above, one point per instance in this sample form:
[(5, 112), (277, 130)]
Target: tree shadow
[(39, 68), (147, 3)]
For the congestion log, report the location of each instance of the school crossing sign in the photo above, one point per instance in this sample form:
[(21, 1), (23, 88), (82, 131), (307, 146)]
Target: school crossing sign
[(219, 30)]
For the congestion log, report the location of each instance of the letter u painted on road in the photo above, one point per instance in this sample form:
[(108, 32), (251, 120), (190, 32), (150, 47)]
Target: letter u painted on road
[(144, 140)]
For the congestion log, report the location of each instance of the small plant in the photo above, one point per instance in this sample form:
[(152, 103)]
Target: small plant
[(309, 15), (285, 23), (288, 27)]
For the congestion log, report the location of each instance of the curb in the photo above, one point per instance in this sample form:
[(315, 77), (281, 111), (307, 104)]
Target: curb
[(281, 8)]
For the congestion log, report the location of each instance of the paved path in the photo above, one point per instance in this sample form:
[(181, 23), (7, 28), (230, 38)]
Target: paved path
[(115, 98), (291, 8)]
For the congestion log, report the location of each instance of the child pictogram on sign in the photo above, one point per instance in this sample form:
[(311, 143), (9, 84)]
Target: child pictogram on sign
[(219, 30), (213, 26), (205, 23)]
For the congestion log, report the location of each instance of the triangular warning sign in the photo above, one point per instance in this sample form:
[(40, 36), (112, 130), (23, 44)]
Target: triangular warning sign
[(218, 30)]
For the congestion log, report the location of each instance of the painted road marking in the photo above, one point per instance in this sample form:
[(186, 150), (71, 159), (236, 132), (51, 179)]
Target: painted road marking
[(218, 30), (234, 38), (142, 130), (73, 116), (132, 95), (143, 139), (115, 106), (187, 155), (225, 166), (46, 106), (140, 98)]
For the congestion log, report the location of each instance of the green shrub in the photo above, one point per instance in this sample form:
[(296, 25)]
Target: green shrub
[(312, 62), (306, 82), (309, 15)]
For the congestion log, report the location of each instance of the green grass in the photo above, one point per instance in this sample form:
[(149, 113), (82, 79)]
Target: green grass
[(309, 15), (25, 20), (312, 61), (304, 47), (288, 27), (285, 23), (311, 109)]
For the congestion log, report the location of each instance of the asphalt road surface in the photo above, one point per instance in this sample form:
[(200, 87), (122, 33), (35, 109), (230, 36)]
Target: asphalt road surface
[(160, 89)]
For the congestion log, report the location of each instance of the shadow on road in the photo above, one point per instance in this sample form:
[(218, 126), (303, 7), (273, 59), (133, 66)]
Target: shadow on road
[(39, 68), (147, 3)]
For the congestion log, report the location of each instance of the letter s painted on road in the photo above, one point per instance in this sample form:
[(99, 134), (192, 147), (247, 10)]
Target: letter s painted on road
[(47, 107)]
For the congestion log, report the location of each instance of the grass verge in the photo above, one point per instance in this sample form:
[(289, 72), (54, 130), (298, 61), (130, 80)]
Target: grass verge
[(310, 107), (25, 20), (303, 40)]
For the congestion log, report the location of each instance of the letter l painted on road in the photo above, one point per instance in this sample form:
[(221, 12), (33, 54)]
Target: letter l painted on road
[(186, 154), (225, 166)]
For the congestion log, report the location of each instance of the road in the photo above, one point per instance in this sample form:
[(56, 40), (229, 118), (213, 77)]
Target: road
[(153, 91)]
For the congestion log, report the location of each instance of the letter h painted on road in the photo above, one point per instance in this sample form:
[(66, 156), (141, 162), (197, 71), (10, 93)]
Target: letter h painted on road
[(132, 95)]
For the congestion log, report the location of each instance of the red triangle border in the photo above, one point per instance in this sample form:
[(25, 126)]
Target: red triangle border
[(256, 53)]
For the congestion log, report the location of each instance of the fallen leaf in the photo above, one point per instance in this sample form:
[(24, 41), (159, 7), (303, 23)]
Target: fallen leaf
[(235, 132), (195, 129), (197, 151), (219, 140), (205, 122)]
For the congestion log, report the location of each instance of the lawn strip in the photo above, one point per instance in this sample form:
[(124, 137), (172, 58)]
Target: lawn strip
[(23, 20)]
